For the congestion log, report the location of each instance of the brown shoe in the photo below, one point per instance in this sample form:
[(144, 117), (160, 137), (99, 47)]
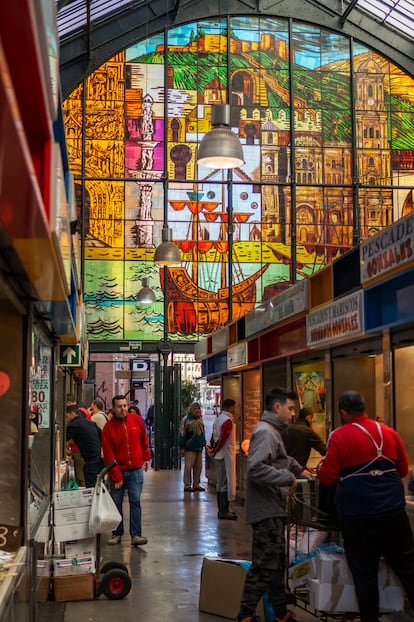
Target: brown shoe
[(288, 617)]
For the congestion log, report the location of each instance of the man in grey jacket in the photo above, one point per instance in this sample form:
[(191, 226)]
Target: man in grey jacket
[(271, 478)]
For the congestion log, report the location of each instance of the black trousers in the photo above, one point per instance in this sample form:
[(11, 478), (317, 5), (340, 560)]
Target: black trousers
[(366, 539), (91, 469)]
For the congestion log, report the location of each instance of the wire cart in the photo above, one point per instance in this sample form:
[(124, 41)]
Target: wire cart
[(308, 529)]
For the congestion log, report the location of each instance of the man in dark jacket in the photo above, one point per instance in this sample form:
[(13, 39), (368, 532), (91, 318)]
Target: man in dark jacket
[(300, 438), (125, 440), (367, 459), (271, 477), (86, 435)]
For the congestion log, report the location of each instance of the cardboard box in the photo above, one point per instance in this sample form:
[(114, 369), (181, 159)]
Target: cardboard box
[(221, 587), (75, 566), (72, 498), (42, 589), (63, 533), (78, 587), (72, 516), (72, 523), (80, 548)]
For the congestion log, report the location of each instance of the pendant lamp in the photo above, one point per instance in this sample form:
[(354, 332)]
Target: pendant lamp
[(145, 295), (220, 147), (167, 253)]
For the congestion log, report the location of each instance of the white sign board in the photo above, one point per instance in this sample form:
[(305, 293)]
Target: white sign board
[(237, 356), (339, 320), (389, 250)]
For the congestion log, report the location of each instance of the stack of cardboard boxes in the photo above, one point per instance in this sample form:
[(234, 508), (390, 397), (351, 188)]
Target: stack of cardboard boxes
[(74, 573)]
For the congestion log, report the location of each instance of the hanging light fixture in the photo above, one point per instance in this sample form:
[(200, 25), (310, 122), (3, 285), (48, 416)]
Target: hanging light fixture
[(220, 147), (145, 295), (167, 253)]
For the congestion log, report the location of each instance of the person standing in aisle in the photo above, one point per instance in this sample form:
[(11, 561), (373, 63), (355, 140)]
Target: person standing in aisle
[(86, 435), (125, 440), (224, 454), (300, 438), (191, 443), (98, 414), (367, 459), (271, 478), (78, 461)]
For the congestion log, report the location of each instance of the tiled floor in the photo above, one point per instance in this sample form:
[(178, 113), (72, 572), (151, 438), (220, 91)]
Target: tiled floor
[(181, 529)]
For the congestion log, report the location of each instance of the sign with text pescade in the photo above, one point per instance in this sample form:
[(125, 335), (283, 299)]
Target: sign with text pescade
[(388, 251), (337, 321)]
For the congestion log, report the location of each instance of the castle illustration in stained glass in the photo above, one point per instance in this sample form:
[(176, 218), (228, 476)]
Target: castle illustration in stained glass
[(327, 134)]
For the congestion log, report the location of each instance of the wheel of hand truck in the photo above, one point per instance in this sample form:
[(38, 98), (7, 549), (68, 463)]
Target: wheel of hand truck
[(115, 584), (114, 564)]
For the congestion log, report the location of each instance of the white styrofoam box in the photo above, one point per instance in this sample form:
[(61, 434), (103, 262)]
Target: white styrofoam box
[(386, 577), (80, 548), (72, 498), (76, 531), (342, 598), (71, 516), (333, 568), (42, 568), (332, 597), (302, 572), (391, 598), (66, 567)]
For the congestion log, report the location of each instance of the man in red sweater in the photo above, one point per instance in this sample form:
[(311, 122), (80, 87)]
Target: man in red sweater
[(125, 440), (367, 460)]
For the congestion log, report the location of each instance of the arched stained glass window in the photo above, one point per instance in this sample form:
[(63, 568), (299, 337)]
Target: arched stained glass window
[(329, 147)]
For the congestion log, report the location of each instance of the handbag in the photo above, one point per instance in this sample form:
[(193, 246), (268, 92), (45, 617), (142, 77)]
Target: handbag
[(104, 515)]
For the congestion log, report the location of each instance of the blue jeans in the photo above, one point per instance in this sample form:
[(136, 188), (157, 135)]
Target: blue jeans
[(133, 482)]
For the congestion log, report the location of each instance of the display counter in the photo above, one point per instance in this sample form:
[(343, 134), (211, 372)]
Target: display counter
[(10, 577)]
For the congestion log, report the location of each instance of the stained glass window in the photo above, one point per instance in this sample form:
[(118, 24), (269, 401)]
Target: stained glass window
[(326, 126)]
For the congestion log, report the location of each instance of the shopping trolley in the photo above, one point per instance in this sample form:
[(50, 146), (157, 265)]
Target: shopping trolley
[(309, 529)]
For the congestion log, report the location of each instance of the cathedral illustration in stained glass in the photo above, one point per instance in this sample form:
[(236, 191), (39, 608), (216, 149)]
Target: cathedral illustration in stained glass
[(326, 126)]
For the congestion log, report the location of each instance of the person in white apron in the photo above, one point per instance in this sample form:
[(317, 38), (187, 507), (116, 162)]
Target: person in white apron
[(223, 449)]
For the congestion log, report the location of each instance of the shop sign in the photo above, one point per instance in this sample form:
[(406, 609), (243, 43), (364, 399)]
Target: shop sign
[(41, 400), (290, 302), (337, 321), (388, 251), (237, 356), (282, 306)]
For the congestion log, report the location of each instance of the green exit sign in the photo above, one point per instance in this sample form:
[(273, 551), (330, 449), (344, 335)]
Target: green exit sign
[(69, 355)]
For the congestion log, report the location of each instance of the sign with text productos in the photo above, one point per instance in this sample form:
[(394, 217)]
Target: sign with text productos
[(388, 251), (69, 355), (339, 320)]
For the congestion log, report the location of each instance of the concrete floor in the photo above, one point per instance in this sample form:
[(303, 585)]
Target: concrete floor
[(181, 529)]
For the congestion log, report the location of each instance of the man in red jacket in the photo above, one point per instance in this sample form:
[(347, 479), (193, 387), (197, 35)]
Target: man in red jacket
[(367, 460), (125, 440)]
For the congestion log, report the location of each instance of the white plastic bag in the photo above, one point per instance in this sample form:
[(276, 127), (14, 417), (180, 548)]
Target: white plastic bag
[(104, 515)]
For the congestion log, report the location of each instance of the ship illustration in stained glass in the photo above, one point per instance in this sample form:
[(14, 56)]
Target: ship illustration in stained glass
[(195, 308)]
